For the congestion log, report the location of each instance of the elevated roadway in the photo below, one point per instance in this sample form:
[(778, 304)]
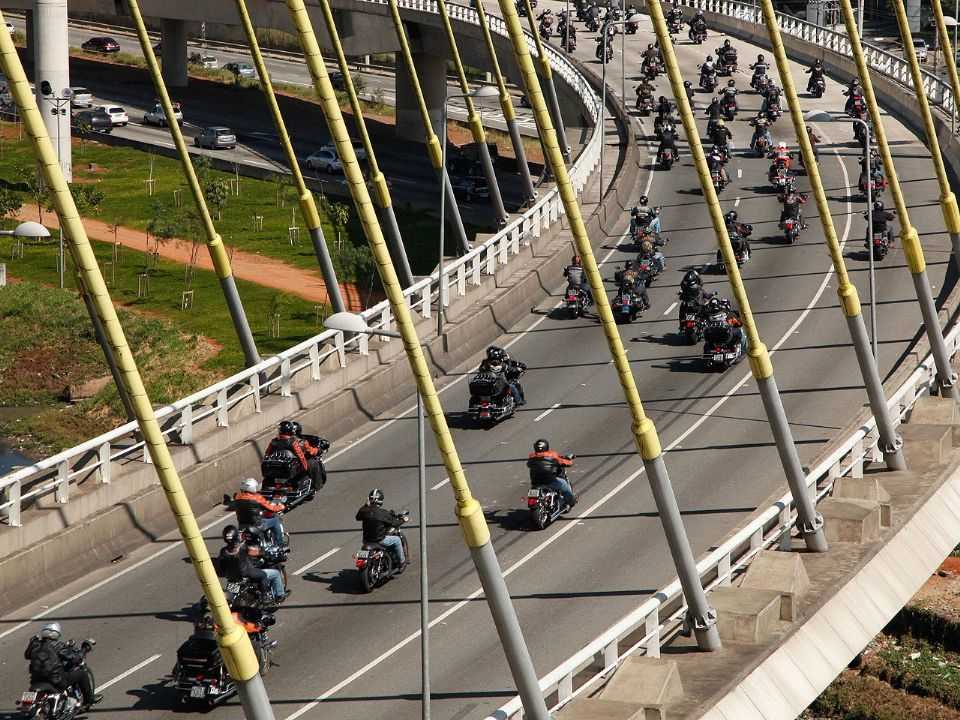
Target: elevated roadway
[(346, 655)]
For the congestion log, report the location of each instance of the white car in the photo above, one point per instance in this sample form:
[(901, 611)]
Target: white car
[(156, 116), (10, 28), (358, 150), (118, 116), (324, 159), (921, 47), (209, 62), (81, 97)]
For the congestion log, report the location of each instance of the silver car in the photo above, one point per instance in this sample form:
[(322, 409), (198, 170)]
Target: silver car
[(82, 98), (241, 69), (216, 138)]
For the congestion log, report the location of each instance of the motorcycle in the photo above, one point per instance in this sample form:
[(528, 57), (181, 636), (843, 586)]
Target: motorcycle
[(741, 253), (722, 357), (778, 176), (773, 112), (761, 146), (545, 504), (376, 563), (592, 24), (758, 80), (251, 520), (627, 305), (45, 701), (284, 479), (667, 158), (604, 56), (818, 87), (650, 69), (708, 81), (487, 405), (631, 27), (791, 230), (570, 43), (690, 323), (697, 36), (199, 674), (574, 301), (674, 26), (880, 244), (725, 66), (719, 180), (645, 104), (728, 106), (876, 186)]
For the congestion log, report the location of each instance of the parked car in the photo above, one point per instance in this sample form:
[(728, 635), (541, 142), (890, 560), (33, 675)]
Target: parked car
[(469, 187), (358, 149), (324, 159), (217, 137), (82, 98), (95, 120), (118, 116), (204, 60), (241, 69), (156, 116), (336, 79), (101, 44), (921, 47)]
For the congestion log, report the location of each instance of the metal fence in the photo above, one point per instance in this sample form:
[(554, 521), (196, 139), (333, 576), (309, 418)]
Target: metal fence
[(96, 457), (659, 619)]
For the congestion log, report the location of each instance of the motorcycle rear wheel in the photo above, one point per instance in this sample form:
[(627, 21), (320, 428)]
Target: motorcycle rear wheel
[(539, 517)]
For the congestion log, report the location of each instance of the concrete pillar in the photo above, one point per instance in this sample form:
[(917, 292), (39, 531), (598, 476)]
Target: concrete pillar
[(52, 73), (432, 71), (174, 52), (30, 54), (913, 15)]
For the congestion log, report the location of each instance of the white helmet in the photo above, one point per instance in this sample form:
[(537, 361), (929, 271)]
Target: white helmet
[(250, 485), (781, 146)]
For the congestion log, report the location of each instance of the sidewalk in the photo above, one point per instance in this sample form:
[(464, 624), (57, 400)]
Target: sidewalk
[(251, 267)]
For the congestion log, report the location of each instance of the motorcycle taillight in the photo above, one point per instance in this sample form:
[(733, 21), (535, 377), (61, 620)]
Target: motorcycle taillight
[(531, 502), (360, 563), (688, 323)]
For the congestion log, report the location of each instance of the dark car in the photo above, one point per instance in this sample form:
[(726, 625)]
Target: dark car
[(101, 44), (96, 120), (337, 80), (469, 187)]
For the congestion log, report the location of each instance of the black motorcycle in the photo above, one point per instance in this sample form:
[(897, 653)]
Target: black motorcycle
[(723, 347), (284, 479), (45, 701), (818, 87), (667, 158), (626, 306), (546, 504), (880, 243), (376, 563), (488, 403), (200, 676), (697, 36), (574, 301), (691, 323)]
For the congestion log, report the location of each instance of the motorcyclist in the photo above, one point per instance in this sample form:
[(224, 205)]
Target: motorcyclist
[(688, 88), (854, 95), (649, 250), (720, 135), (759, 67), (771, 98), (880, 216), (707, 69), (728, 53), (235, 563), (664, 107), (644, 91), (576, 278), (719, 314), (250, 503), (643, 218), (872, 168), (713, 112), (499, 362), (761, 129), (675, 16), (547, 470), (815, 72), (781, 159), (307, 453), (377, 524), (738, 232), (698, 24), (49, 656), (668, 140), (716, 162), (730, 93), (792, 200)]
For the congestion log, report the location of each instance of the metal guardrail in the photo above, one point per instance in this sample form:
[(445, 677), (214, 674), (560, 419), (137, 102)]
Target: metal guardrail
[(95, 458), (660, 618)]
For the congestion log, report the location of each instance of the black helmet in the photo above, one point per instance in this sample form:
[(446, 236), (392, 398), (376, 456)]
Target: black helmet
[(496, 353), (731, 216), (287, 427), (540, 446), (698, 13), (878, 205), (231, 536), (726, 43), (691, 278), (649, 46), (297, 428), (663, 99), (760, 58), (709, 58), (687, 83), (253, 536), (818, 62), (375, 497), (643, 200)]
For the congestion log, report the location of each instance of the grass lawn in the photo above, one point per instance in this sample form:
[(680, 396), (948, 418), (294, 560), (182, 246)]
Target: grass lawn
[(208, 318)]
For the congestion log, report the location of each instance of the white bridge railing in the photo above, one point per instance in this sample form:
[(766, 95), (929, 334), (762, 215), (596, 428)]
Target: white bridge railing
[(660, 618), (95, 458)]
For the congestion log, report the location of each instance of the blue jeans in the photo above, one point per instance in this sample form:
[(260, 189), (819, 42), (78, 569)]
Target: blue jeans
[(394, 543), (654, 225), (275, 579), (562, 486), (515, 391), (275, 528)]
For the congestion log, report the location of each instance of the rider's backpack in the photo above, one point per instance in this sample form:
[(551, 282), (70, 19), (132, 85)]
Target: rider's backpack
[(45, 663)]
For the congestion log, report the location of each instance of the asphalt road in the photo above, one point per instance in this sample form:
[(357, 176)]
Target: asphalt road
[(358, 655)]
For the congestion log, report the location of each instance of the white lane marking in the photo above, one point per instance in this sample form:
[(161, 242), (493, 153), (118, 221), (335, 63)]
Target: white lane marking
[(602, 501), (441, 484), (127, 673), (667, 311), (320, 559), (739, 172), (737, 201), (546, 412), (119, 574)]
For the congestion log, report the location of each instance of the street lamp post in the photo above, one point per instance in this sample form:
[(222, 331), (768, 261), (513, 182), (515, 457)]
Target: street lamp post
[(481, 93), (352, 323), (821, 116), (952, 22), (607, 23)]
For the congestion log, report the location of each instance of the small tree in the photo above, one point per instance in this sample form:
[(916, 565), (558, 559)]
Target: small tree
[(203, 168), (163, 223), (87, 198), (31, 179), (216, 193), (10, 202), (339, 216)]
